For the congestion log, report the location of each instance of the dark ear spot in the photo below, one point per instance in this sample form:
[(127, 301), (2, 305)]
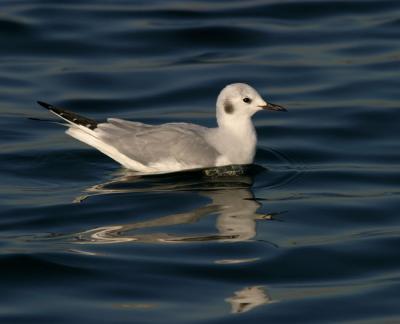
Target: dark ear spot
[(228, 107)]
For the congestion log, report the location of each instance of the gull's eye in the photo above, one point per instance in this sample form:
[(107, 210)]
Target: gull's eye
[(247, 100)]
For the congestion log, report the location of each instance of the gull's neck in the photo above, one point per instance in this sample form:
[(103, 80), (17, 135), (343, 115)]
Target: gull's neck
[(236, 139)]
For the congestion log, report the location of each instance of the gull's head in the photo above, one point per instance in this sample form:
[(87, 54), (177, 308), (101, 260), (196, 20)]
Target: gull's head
[(239, 100)]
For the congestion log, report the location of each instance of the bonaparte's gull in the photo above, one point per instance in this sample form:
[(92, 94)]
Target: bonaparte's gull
[(177, 146)]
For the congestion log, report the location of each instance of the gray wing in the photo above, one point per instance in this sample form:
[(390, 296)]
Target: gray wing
[(148, 144)]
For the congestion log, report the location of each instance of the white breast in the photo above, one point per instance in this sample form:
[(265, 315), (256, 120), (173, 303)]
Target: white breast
[(237, 145)]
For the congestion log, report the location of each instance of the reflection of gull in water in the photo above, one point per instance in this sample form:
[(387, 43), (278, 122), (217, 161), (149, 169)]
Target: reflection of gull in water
[(230, 199), (248, 298)]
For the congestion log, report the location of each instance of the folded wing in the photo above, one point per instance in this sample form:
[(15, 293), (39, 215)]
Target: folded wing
[(155, 146), (142, 147)]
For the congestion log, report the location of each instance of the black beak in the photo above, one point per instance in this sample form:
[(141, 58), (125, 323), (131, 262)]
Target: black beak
[(272, 107)]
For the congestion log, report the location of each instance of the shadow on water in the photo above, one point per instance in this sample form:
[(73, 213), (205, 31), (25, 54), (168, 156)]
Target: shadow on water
[(227, 190)]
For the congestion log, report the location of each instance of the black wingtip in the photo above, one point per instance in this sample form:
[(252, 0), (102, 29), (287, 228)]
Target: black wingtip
[(70, 116), (45, 105)]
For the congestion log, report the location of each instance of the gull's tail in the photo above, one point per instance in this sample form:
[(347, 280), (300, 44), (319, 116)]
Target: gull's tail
[(87, 131), (70, 116)]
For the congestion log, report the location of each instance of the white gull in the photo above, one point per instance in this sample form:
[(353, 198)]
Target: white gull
[(177, 146)]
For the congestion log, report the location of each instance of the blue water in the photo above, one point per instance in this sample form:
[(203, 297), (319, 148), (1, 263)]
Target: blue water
[(310, 233)]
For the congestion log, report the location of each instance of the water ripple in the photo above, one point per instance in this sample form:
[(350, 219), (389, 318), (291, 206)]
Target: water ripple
[(312, 225)]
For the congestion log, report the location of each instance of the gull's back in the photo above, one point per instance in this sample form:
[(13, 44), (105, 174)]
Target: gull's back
[(158, 145), (166, 147)]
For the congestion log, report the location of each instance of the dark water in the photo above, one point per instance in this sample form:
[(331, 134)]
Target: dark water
[(310, 234)]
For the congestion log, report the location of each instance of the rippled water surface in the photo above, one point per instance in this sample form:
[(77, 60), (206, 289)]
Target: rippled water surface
[(310, 233)]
